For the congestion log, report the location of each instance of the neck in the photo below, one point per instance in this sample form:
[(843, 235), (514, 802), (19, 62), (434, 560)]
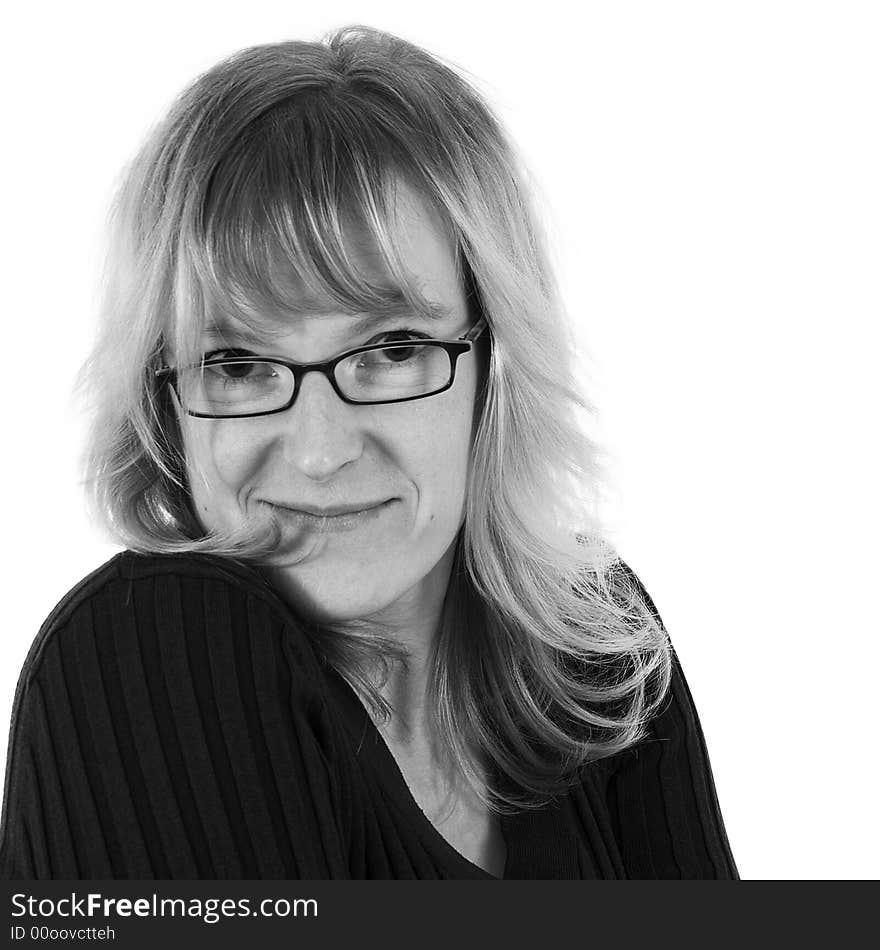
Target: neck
[(413, 621)]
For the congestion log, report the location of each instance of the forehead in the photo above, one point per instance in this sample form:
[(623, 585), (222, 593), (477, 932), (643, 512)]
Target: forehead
[(372, 271), (423, 242)]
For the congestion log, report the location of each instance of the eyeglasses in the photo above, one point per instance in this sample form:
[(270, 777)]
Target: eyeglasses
[(238, 387)]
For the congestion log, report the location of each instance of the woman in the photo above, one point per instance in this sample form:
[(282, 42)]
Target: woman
[(365, 626)]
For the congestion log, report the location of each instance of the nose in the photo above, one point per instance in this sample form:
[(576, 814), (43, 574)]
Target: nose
[(319, 432)]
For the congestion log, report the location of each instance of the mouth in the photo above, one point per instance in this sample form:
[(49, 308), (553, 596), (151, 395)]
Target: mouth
[(341, 521)]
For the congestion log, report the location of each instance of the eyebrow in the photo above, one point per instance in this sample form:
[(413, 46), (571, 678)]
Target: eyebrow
[(429, 310)]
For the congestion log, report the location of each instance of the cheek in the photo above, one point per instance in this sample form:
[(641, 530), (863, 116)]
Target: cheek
[(220, 462), (443, 457)]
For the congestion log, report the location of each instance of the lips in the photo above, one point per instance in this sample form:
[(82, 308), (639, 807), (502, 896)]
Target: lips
[(301, 523), (331, 512)]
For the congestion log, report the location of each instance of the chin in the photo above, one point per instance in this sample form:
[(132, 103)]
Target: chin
[(355, 600)]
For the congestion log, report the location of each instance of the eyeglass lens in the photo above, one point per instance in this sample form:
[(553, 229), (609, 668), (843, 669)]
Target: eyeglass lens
[(257, 386)]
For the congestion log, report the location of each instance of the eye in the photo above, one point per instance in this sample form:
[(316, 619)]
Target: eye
[(255, 372), (238, 370), (397, 354)]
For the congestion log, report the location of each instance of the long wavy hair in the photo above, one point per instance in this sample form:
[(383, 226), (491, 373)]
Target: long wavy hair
[(270, 153)]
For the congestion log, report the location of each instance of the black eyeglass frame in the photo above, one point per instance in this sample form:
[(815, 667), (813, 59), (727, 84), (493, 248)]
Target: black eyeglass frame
[(455, 348)]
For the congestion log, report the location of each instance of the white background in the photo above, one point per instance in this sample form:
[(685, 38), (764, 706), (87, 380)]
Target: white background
[(709, 172)]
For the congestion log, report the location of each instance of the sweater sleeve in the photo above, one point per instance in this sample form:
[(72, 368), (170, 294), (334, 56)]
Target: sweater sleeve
[(168, 724), (663, 802), (661, 793)]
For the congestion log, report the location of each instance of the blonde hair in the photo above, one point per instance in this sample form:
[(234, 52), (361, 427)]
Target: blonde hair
[(266, 154)]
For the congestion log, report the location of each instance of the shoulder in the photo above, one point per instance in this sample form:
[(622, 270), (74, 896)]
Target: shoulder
[(139, 595), (160, 689), (660, 790), (626, 585)]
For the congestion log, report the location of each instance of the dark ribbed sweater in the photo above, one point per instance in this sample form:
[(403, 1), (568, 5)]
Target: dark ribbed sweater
[(172, 720)]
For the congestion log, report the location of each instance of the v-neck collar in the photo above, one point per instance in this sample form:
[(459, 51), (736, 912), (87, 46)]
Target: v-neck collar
[(539, 846)]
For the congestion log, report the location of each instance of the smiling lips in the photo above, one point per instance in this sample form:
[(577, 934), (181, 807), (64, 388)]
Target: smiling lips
[(338, 510), (330, 512), (335, 519)]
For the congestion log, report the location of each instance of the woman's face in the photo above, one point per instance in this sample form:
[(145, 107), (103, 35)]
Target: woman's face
[(412, 458)]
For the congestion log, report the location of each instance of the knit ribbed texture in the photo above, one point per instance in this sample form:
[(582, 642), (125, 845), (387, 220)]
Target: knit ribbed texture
[(172, 720)]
